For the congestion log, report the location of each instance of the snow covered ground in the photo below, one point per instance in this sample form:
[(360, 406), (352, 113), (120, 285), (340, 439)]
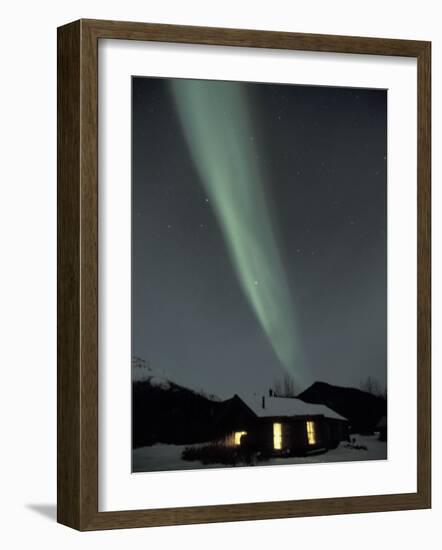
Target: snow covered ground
[(168, 457), (375, 450), (165, 457)]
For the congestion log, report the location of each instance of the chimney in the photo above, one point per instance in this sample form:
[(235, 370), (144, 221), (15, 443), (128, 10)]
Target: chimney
[(270, 392), (263, 402)]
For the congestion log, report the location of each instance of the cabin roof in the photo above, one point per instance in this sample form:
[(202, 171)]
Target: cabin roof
[(286, 406)]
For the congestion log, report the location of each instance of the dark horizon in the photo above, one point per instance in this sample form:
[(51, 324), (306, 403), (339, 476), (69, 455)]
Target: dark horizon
[(321, 154)]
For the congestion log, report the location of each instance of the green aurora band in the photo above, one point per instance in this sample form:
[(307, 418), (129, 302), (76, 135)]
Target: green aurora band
[(218, 128)]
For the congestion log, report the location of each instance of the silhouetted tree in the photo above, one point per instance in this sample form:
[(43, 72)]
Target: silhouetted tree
[(277, 387), (372, 386), (285, 387)]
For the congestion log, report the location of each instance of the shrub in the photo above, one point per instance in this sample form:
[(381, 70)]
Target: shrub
[(214, 453)]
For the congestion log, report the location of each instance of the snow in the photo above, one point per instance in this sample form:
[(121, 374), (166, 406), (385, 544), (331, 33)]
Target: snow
[(286, 406), (143, 371), (161, 457), (345, 452)]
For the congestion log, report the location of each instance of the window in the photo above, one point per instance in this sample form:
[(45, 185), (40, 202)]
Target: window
[(238, 436), (277, 436), (311, 434)]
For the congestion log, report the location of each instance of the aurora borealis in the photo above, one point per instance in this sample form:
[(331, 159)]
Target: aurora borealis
[(259, 233), (218, 128)]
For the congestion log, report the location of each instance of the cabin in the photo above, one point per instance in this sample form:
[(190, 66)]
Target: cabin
[(286, 426), (233, 420)]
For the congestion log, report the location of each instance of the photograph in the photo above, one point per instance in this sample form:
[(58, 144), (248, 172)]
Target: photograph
[(220, 237), (258, 274), (243, 273)]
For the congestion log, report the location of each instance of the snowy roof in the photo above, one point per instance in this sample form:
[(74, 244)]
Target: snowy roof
[(286, 406)]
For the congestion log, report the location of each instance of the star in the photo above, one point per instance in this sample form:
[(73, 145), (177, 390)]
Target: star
[(206, 199), (169, 226), (256, 283)]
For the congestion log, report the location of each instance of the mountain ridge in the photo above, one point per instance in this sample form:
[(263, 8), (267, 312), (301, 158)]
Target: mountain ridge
[(363, 410)]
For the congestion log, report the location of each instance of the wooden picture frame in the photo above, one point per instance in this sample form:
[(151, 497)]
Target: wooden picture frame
[(78, 274)]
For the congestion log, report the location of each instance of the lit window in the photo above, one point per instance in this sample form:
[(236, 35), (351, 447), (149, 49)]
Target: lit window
[(238, 436), (311, 434), (277, 435)]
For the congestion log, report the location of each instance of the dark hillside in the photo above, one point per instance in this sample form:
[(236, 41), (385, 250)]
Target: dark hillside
[(171, 414), (362, 409)]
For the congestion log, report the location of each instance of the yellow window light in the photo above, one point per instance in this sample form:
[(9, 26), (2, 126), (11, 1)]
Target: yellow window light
[(277, 436), (311, 434), (238, 436)]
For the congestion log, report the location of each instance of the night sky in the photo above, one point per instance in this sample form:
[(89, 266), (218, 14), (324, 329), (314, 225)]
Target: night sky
[(318, 157)]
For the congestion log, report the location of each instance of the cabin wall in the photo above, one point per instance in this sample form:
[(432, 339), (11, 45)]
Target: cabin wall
[(327, 432), (337, 431)]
